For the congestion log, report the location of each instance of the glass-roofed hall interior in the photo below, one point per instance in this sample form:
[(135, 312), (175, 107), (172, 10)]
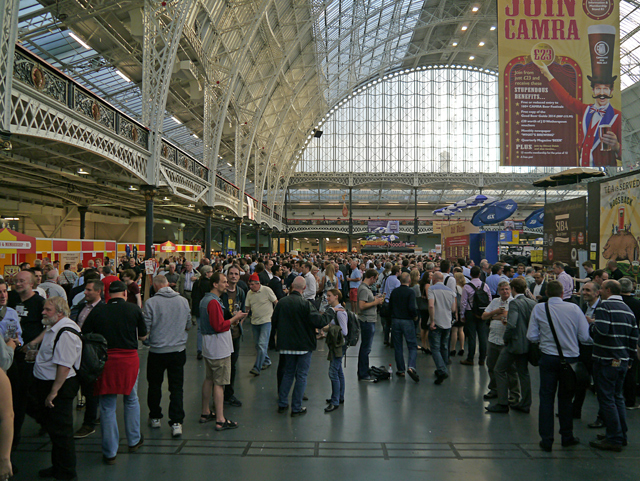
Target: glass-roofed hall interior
[(135, 130)]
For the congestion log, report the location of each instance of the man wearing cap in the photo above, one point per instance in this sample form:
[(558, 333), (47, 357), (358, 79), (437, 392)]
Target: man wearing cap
[(600, 113), (122, 324), (260, 301)]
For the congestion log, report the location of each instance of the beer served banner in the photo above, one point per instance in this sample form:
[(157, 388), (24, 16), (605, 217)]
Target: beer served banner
[(560, 78), (620, 223)]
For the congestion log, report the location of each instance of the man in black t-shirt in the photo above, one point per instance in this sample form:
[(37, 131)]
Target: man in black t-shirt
[(29, 305)]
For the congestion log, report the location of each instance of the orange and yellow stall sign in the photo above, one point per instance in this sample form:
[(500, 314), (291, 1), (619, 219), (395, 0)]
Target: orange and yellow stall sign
[(560, 82)]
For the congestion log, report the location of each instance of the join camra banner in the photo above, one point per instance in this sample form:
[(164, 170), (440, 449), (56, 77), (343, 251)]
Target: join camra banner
[(560, 80), (565, 230)]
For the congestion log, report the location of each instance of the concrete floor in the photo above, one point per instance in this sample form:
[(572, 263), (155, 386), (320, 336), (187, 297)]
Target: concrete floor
[(382, 431)]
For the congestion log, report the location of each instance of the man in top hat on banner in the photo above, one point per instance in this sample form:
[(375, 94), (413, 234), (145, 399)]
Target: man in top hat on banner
[(601, 123)]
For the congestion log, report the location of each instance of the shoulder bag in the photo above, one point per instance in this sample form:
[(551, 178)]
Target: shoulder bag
[(572, 376)]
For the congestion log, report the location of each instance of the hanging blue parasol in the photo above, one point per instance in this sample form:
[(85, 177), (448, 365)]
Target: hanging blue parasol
[(473, 201), (494, 213), (535, 219)]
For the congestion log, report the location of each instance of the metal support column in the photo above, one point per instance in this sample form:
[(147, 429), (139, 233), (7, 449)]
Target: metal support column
[(239, 236), (350, 218), (225, 240), (9, 11), (149, 193), (415, 214), (83, 212), (257, 239), (270, 241), (208, 211)]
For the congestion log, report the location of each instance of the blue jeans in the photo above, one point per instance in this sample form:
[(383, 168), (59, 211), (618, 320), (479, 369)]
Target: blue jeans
[(109, 423), (199, 337), (336, 375), (549, 384), (439, 341), (261, 333), (296, 366), (609, 385), (406, 328), (367, 330)]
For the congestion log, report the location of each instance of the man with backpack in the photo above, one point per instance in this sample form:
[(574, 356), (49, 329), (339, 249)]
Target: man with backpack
[(56, 385), (476, 296)]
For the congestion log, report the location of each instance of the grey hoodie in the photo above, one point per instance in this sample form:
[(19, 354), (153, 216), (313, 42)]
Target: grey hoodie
[(168, 318)]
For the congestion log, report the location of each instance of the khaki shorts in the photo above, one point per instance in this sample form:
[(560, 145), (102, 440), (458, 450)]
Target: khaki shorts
[(218, 371)]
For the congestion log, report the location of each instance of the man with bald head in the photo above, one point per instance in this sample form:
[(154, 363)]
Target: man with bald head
[(442, 303), (295, 320), (168, 318), (614, 331), (402, 304)]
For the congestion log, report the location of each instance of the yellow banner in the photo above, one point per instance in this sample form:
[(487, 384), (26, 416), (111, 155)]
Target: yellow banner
[(560, 82), (620, 223)]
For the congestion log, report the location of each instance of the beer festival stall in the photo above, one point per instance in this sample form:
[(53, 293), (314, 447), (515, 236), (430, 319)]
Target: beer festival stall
[(16, 248)]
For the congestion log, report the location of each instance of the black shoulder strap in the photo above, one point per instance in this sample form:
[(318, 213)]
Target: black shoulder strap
[(65, 329), (3, 312), (553, 331)]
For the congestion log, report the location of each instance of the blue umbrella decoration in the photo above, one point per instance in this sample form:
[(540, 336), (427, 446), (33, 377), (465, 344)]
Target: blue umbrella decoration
[(473, 201), (494, 212), (535, 219)]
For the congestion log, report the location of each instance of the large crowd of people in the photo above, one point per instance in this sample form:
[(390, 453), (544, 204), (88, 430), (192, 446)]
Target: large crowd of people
[(582, 333)]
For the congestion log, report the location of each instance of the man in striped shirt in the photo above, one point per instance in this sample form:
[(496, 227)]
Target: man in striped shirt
[(615, 335)]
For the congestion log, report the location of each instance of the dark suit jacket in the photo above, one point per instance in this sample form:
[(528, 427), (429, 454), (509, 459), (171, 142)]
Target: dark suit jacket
[(75, 312), (276, 286), (543, 292), (515, 335), (634, 305), (264, 278)]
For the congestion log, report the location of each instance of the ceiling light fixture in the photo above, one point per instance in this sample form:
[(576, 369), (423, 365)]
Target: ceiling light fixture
[(228, 164), (81, 171), (132, 188), (475, 9), (176, 120), (464, 28), (77, 39), (493, 27), (455, 44), (472, 57), (481, 44)]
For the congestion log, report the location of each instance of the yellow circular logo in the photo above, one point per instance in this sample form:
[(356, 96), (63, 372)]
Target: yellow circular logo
[(542, 53)]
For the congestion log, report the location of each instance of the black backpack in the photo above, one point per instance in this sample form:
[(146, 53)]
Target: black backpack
[(480, 300), (379, 374), (353, 327), (94, 354)]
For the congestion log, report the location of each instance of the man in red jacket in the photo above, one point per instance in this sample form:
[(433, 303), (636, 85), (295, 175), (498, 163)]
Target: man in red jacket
[(217, 347)]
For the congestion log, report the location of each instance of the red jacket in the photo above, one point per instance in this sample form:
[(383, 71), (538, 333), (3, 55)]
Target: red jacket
[(589, 141), (216, 317)]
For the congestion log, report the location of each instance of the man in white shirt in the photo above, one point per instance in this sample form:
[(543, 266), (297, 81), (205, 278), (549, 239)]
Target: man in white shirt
[(497, 312), (312, 286), (56, 385)]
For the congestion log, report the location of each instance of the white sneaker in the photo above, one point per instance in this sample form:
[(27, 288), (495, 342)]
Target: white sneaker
[(154, 423), (176, 430)]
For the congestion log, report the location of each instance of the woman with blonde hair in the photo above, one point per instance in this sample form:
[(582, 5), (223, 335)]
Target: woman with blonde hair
[(329, 281), (457, 330)]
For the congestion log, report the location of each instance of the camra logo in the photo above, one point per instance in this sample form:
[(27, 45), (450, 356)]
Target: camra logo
[(601, 49)]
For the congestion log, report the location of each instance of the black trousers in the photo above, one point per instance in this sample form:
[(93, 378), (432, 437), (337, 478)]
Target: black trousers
[(91, 405), (282, 363), (58, 422), (586, 351), (157, 364), (20, 375), (228, 389)]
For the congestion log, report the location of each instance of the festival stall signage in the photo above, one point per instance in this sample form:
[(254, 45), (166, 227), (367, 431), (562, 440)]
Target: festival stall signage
[(620, 223), (559, 61), (565, 230)]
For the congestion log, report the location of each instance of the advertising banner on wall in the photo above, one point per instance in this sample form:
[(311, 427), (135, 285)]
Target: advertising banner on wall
[(384, 226), (620, 223), (560, 78), (565, 230)]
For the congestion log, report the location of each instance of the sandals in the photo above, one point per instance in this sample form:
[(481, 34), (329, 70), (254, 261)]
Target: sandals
[(207, 418), (227, 424)]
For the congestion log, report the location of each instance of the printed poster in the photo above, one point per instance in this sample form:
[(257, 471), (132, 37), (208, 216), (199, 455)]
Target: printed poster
[(620, 223), (565, 230), (560, 78)]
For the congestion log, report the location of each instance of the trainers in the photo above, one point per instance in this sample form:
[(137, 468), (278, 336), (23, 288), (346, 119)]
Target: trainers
[(254, 371), (154, 423), (176, 430), (84, 431)]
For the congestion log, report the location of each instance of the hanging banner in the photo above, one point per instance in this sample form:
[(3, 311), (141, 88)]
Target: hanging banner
[(565, 230), (383, 226), (560, 78), (620, 223)]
